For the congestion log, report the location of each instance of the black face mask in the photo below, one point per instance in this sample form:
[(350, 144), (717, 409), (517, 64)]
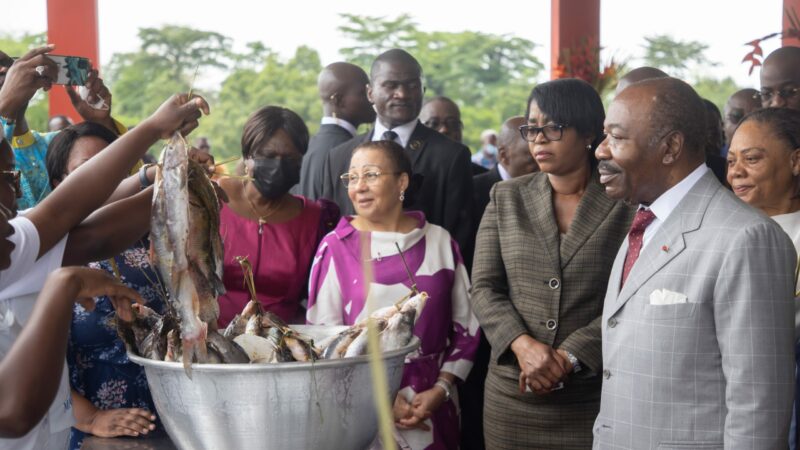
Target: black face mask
[(273, 177)]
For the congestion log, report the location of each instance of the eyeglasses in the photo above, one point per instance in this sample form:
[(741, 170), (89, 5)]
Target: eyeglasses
[(552, 132), (786, 93), (451, 124), (352, 179), (12, 177)]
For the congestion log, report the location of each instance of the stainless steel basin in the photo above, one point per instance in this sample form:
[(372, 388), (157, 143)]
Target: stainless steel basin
[(322, 405)]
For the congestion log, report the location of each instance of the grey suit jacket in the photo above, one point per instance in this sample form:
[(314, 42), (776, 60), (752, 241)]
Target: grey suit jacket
[(528, 280), (716, 371)]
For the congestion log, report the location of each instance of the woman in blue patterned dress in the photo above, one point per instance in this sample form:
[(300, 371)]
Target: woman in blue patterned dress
[(109, 393)]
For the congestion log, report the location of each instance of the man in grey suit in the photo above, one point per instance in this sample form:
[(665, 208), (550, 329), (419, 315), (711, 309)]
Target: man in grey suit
[(698, 319), (343, 92)]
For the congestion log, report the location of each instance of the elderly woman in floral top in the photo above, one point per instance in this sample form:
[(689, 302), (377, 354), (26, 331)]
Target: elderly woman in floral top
[(110, 395), (377, 184)]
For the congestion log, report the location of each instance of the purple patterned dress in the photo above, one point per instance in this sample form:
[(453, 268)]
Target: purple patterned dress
[(447, 329)]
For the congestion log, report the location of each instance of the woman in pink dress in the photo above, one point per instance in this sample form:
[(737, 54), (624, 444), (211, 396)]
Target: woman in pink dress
[(276, 231), (378, 180)]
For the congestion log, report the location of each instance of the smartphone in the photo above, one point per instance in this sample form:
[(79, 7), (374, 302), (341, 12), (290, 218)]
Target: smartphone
[(72, 70)]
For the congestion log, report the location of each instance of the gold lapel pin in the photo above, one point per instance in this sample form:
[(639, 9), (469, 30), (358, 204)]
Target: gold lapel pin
[(415, 144)]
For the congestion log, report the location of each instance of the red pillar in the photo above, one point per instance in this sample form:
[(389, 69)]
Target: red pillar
[(72, 27), (574, 25), (791, 23)]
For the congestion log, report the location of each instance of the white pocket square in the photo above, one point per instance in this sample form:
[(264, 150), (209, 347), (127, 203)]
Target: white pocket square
[(667, 297)]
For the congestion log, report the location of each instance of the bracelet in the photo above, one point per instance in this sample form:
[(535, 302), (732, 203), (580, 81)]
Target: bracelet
[(143, 181), (447, 387)]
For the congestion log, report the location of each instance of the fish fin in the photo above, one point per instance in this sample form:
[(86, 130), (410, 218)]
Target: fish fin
[(195, 350)]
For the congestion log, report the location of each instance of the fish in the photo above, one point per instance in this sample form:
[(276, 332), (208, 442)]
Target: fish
[(300, 349), (229, 351), (238, 325), (186, 246), (359, 345), (399, 330), (253, 325), (145, 335), (338, 347), (259, 350), (174, 347)]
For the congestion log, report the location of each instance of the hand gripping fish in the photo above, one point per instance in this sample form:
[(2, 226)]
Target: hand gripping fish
[(186, 246)]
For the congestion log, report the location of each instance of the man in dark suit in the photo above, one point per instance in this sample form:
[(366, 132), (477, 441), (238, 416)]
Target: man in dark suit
[(443, 115), (343, 91), (514, 160), (445, 194)]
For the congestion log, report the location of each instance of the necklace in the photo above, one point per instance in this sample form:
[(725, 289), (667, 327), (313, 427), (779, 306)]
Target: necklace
[(262, 219)]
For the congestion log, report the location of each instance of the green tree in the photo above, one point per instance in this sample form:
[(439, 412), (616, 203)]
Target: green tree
[(489, 76), (290, 83), (15, 46), (164, 64), (716, 90), (374, 35), (675, 56)]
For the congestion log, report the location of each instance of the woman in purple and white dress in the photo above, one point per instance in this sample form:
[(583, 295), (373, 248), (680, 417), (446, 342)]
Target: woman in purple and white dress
[(425, 413)]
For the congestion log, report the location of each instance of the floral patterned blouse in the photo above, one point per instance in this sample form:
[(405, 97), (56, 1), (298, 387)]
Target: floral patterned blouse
[(98, 364)]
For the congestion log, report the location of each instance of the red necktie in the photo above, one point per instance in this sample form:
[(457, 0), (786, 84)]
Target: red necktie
[(643, 218)]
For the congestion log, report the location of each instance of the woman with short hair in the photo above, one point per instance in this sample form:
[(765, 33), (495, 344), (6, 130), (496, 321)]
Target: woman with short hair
[(276, 231), (544, 252)]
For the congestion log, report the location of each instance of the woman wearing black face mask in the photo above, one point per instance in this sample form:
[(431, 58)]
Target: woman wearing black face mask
[(276, 231)]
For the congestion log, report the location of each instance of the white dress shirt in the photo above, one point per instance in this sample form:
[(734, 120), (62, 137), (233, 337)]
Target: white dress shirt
[(403, 132), (668, 201), (504, 175), (327, 120)]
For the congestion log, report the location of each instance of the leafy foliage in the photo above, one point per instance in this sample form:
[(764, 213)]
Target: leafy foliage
[(488, 75), (37, 113), (674, 56)]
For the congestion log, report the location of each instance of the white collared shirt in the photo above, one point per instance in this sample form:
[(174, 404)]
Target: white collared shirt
[(327, 120), (504, 175), (403, 132), (668, 201)]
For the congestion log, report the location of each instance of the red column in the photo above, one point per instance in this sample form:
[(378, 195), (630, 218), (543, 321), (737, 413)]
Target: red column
[(574, 25), (72, 27), (791, 23)]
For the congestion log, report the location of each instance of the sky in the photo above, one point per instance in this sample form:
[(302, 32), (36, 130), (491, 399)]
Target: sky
[(724, 25)]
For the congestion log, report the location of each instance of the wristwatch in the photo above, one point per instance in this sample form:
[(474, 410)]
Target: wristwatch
[(576, 365)]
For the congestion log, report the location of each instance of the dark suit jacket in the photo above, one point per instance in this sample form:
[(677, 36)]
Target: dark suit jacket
[(719, 166), (483, 185), (478, 169), (328, 137), (446, 192)]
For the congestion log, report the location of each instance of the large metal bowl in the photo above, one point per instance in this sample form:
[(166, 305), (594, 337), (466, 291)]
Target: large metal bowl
[(327, 404)]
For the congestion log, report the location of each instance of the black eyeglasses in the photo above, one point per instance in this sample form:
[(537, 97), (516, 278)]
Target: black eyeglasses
[(766, 95), (12, 177), (451, 124), (552, 132)]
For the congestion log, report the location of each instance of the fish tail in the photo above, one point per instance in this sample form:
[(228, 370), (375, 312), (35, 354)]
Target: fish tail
[(194, 349)]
